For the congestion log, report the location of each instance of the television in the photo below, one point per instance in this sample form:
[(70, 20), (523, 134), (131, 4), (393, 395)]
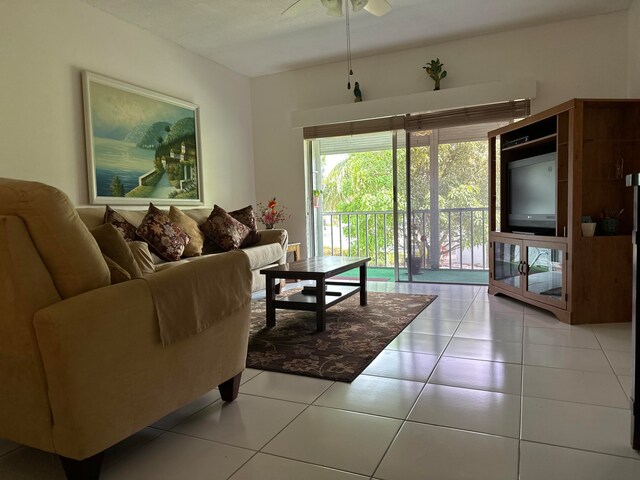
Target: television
[(532, 194)]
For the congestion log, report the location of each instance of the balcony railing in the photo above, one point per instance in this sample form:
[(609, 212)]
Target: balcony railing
[(461, 235)]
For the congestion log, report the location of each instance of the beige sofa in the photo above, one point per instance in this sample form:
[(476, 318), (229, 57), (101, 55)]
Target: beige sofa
[(81, 362), (271, 250)]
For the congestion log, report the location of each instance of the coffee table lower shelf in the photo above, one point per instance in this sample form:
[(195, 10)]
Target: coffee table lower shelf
[(301, 301)]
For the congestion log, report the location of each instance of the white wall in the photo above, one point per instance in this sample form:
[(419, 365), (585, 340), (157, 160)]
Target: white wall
[(45, 44), (581, 58), (634, 50)]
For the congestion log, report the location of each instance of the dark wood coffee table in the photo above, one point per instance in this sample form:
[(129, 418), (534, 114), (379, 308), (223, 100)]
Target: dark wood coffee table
[(321, 296)]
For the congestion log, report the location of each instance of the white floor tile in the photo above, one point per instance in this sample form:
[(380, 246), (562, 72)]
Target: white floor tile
[(129, 445), (171, 420), (248, 374), (478, 374), (614, 336), (294, 388), (574, 337), (508, 352), (419, 343), (30, 464), (269, 467), (491, 318), (574, 386), (432, 326), (173, 456), (627, 382), (538, 461), (467, 409), (507, 306), (6, 446), (543, 321), (588, 359), (248, 422), (388, 397), (402, 365), (622, 362), (490, 331), (577, 425), (348, 441), (426, 451)]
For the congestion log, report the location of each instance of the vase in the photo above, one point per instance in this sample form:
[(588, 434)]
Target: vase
[(269, 227)]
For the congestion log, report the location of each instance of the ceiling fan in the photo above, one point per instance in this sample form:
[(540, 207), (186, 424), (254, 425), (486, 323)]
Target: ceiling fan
[(334, 7)]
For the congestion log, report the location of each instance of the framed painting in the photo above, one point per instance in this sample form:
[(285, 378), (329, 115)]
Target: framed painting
[(142, 146)]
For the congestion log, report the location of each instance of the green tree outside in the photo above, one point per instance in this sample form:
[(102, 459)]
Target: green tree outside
[(363, 182)]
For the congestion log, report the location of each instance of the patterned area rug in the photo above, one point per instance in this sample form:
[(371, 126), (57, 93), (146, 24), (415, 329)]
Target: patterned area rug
[(354, 336)]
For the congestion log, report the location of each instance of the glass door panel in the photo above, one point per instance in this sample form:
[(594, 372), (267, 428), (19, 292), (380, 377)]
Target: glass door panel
[(546, 273), (507, 259), (350, 193)]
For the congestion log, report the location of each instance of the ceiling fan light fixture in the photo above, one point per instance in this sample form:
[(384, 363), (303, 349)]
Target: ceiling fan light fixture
[(334, 7), (358, 4)]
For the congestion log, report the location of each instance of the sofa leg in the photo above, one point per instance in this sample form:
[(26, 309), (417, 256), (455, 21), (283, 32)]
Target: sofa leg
[(229, 389), (87, 469)]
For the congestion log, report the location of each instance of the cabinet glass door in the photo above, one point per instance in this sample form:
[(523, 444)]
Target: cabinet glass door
[(506, 262), (545, 273)]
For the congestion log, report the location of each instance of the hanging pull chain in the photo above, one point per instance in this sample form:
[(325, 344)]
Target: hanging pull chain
[(349, 70)]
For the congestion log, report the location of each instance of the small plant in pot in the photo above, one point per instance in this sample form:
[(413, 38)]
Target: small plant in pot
[(316, 197), (435, 71)]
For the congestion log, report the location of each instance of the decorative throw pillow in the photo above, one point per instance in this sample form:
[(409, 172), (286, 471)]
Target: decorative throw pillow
[(224, 230), (247, 217), (190, 227), (115, 247), (127, 230), (164, 237), (118, 274), (142, 256)]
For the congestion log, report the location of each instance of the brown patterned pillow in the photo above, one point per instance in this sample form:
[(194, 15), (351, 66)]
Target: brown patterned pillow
[(247, 217), (190, 227), (164, 237), (224, 230), (127, 230)]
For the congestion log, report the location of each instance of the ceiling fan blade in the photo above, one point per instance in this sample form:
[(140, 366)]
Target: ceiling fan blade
[(334, 7), (378, 7), (297, 8)]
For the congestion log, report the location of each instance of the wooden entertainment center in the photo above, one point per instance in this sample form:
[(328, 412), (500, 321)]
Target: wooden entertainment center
[(580, 279)]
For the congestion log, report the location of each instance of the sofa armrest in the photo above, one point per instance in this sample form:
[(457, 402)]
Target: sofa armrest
[(275, 235), (108, 374)]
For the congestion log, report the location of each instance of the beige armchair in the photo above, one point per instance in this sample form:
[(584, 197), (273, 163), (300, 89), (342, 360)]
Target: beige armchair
[(81, 362)]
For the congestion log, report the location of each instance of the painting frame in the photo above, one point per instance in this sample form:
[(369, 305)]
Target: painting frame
[(165, 169)]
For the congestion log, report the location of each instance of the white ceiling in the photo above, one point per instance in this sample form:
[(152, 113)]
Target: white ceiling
[(253, 38)]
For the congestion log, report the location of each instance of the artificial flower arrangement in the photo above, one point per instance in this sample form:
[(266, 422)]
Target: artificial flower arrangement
[(272, 214)]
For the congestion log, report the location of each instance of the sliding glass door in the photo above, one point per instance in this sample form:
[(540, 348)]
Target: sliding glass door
[(420, 212)]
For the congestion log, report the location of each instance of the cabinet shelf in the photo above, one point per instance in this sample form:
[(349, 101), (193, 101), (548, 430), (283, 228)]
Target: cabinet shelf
[(531, 143)]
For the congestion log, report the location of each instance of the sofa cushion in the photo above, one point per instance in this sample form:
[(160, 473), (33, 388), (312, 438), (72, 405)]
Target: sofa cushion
[(64, 243), (113, 246), (190, 227), (118, 274), (126, 229), (263, 255), (224, 230), (164, 237), (142, 256), (247, 217)]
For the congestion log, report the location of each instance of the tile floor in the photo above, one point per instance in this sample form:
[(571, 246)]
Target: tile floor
[(477, 387)]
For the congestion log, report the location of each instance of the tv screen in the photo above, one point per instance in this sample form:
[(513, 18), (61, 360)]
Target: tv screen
[(532, 193)]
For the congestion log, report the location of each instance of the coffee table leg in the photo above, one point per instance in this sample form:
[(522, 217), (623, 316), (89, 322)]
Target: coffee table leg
[(321, 309), (271, 295), (363, 284)]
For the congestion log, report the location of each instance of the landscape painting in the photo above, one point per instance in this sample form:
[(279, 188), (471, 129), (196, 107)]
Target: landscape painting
[(142, 146)]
